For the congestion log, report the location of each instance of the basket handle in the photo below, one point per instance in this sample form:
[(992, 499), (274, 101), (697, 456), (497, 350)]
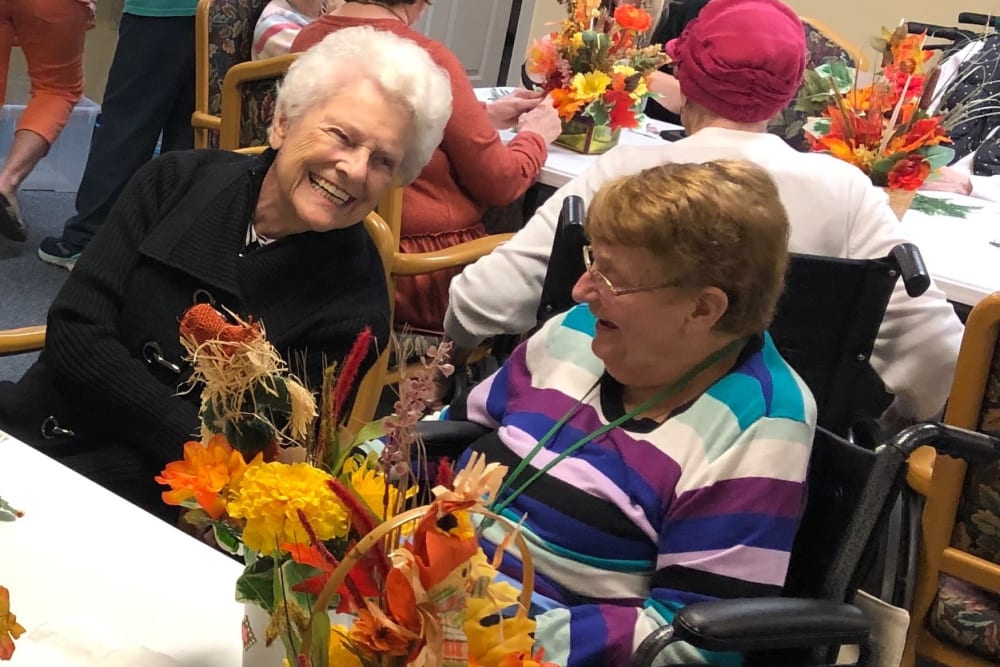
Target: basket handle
[(382, 530)]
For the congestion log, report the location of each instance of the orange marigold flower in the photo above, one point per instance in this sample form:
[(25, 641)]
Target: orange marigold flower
[(206, 474), (380, 636), (9, 627), (631, 17)]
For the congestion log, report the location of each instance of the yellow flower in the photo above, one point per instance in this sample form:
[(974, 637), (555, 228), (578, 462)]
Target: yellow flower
[(576, 41), (340, 655), (588, 87), (369, 485), (624, 70), (270, 497)]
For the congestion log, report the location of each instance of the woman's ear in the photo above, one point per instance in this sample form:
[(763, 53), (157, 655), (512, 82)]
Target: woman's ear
[(276, 133), (709, 307)]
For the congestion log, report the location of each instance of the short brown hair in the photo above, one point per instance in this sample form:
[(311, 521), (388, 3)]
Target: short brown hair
[(717, 224)]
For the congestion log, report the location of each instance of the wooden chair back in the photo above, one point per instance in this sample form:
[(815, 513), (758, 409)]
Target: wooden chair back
[(947, 483)]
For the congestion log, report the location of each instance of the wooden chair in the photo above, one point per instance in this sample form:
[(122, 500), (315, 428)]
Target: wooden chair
[(956, 610), (385, 233), (25, 339), (223, 39)]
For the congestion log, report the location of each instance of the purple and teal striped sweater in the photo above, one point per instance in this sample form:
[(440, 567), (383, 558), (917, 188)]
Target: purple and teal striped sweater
[(648, 517)]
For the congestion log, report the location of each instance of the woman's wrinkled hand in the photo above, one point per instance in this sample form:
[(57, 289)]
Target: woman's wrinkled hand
[(669, 90), (949, 180), (542, 120), (504, 111)]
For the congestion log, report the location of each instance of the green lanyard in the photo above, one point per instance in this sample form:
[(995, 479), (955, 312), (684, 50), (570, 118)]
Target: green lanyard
[(662, 395)]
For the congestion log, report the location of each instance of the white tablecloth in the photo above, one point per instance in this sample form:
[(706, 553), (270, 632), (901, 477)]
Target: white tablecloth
[(90, 573), (959, 253)]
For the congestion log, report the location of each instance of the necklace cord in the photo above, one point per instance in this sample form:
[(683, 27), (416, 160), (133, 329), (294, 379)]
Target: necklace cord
[(668, 391)]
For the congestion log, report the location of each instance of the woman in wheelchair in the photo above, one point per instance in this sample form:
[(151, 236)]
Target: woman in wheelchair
[(271, 237), (657, 442)]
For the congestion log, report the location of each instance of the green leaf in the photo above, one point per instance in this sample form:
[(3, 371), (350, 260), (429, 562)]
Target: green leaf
[(938, 156), (320, 629), (369, 431), (7, 511), (256, 584), (292, 574), (600, 112), (936, 206), (227, 537)]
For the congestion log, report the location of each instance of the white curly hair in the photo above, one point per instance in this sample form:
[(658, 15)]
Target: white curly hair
[(400, 67)]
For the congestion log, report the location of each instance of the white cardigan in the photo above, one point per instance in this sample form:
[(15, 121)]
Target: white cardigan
[(834, 211)]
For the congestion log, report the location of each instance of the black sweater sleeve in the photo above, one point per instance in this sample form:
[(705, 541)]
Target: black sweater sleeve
[(83, 348)]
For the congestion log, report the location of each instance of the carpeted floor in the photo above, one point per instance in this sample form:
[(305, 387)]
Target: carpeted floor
[(27, 284)]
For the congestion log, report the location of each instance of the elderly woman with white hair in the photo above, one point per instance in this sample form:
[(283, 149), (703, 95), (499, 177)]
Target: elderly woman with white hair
[(273, 237)]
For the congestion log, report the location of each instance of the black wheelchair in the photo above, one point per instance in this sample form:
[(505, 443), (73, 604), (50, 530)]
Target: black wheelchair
[(826, 325)]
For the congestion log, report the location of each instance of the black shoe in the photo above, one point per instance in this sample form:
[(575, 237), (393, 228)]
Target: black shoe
[(58, 252), (11, 224)]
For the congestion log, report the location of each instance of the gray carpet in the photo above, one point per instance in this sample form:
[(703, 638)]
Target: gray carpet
[(28, 285)]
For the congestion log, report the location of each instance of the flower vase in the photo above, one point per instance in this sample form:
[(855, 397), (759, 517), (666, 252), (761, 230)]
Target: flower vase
[(584, 136), (900, 200), (256, 653)]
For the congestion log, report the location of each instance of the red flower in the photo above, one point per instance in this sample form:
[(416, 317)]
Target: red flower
[(622, 113), (633, 18), (909, 173)]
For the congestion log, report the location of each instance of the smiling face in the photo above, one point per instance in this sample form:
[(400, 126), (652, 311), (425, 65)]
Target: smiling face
[(335, 161), (642, 337)]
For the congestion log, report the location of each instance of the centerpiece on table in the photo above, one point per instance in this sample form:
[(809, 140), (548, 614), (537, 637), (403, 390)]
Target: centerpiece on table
[(343, 567), (884, 128), (596, 70)]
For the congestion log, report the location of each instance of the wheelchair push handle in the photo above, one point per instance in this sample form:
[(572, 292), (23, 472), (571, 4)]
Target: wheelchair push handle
[(565, 260), (916, 277), (938, 31), (948, 440), (975, 18)]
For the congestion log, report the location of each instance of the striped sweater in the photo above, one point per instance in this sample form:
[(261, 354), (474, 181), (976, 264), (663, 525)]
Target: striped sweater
[(648, 517)]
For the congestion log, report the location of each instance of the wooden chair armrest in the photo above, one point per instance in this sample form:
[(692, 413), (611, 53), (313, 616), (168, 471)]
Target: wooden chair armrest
[(411, 264), (920, 469), (25, 339), (205, 120)]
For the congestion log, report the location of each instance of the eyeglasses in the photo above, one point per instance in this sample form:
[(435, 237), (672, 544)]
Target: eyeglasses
[(588, 262)]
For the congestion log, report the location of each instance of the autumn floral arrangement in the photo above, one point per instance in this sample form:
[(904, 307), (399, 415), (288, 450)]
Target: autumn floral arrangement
[(349, 569), (594, 67), (884, 128), (9, 627)]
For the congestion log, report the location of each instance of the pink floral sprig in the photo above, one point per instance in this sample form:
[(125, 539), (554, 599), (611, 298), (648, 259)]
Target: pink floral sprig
[(416, 395)]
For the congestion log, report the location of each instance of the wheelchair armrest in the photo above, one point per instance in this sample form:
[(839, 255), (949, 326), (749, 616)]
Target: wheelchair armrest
[(916, 277), (759, 624), (449, 438)]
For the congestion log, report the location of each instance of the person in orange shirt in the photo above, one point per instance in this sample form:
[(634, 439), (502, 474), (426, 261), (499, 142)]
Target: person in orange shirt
[(51, 35), (470, 171)]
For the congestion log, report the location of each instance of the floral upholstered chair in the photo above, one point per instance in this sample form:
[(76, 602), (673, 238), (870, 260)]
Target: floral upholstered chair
[(223, 38), (956, 608), (822, 45)]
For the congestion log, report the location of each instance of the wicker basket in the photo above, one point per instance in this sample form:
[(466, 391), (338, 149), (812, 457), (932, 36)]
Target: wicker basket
[(900, 200), (390, 530)]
